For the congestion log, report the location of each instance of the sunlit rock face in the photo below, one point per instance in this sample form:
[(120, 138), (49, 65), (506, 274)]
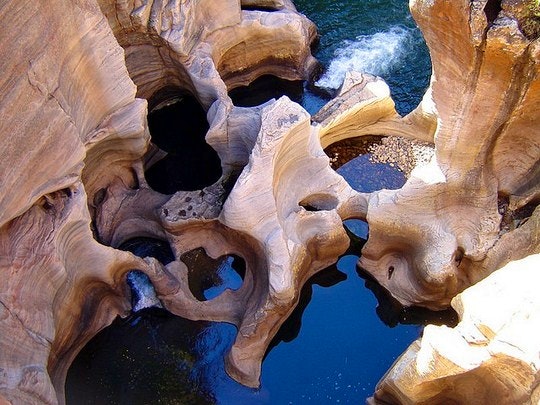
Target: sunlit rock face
[(78, 159), (445, 229), (490, 357)]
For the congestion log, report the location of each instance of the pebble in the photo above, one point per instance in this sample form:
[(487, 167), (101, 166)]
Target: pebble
[(404, 153)]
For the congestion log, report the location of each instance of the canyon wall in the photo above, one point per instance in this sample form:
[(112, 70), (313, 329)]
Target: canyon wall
[(77, 89)]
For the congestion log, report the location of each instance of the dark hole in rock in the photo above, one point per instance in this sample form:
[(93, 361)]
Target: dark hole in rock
[(143, 294), (319, 202), (258, 8), (352, 160), (99, 197), (266, 88), (523, 213), (135, 185), (208, 277), (392, 313), (515, 218), (492, 10), (144, 246), (458, 256), (179, 126), (66, 192)]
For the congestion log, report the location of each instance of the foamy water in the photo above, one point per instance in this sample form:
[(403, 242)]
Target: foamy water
[(376, 54)]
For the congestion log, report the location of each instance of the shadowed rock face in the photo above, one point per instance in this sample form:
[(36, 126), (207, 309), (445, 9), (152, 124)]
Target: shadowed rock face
[(75, 101)]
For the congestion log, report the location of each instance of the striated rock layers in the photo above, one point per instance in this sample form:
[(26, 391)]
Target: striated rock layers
[(77, 88)]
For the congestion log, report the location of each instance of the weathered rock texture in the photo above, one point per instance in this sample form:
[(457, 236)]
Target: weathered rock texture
[(440, 232), (490, 357), (76, 90)]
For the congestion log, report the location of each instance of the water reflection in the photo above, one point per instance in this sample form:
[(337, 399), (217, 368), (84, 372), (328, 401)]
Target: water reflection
[(392, 313), (208, 277), (146, 358)]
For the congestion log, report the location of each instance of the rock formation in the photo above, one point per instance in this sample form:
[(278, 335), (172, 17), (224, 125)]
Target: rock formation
[(77, 90), (440, 233), (490, 357)]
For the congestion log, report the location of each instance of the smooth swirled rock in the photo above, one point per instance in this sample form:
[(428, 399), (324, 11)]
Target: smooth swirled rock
[(490, 357), (75, 147)]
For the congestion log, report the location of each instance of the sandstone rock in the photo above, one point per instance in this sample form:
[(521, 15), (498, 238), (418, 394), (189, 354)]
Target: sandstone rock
[(75, 96), (70, 104), (483, 97), (490, 357)]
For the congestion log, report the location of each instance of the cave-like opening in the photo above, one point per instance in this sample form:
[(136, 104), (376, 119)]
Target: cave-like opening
[(178, 126), (208, 277), (266, 88)]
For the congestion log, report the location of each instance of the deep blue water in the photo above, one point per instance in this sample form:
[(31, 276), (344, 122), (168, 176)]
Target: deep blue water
[(344, 336)]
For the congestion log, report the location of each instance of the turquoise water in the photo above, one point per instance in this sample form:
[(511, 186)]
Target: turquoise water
[(345, 332), (375, 36)]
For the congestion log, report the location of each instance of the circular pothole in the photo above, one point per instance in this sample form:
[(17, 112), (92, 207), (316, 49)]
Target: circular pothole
[(208, 278)]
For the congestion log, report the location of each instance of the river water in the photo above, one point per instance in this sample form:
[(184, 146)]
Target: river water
[(346, 333), (374, 36)]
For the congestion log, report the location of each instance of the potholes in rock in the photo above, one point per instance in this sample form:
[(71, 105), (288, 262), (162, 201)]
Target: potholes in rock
[(208, 277), (178, 126), (153, 356), (264, 89)]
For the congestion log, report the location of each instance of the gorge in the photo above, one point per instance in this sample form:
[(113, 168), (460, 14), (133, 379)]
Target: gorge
[(81, 180)]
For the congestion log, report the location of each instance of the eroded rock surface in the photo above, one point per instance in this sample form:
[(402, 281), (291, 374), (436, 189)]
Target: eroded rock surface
[(76, 147), (439, 233), (490, 357)]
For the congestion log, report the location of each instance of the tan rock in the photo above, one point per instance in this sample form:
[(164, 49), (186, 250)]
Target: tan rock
[(490, 357), (75, 146), (424, 246)]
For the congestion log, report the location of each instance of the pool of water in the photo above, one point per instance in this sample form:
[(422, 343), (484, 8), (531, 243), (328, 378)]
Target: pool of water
[(346, 332)]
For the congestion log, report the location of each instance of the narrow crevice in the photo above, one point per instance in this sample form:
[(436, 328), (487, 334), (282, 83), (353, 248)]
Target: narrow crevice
[(492, 10), (522, 74), (265, 9)]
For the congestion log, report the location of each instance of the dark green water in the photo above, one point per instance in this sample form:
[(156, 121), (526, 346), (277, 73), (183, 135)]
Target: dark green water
[(345, 333)]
